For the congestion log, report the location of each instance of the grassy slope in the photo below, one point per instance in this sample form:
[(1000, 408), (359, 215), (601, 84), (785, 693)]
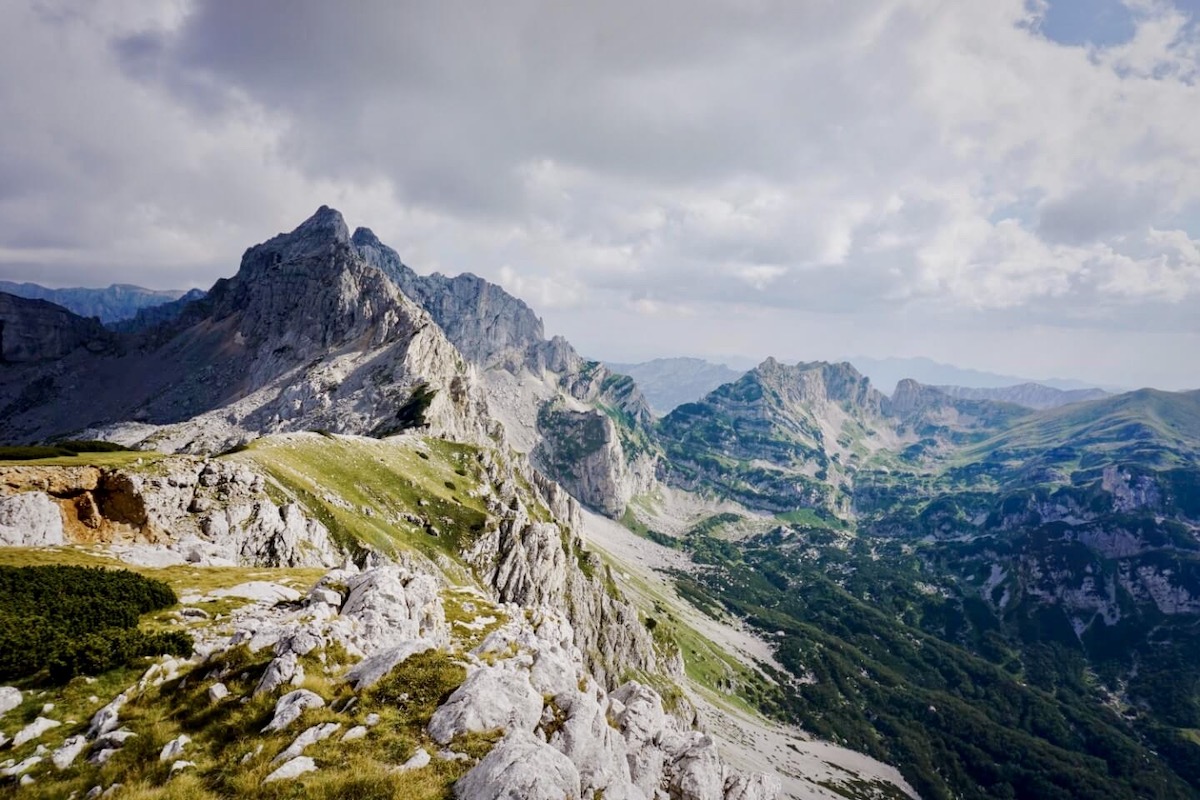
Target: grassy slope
[(406, 492), (226, 736)]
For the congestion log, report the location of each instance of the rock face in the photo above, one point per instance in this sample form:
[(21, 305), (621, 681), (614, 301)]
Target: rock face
[(780, 437), (37, 330), (537, 563)]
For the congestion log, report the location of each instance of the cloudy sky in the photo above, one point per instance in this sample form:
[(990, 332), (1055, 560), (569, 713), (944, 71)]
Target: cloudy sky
[(1010, 185)]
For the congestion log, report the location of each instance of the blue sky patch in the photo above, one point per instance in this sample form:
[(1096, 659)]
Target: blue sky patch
[(1080, 22)]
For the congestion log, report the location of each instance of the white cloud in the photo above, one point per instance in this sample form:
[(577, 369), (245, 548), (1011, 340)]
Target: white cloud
[(895, 162)]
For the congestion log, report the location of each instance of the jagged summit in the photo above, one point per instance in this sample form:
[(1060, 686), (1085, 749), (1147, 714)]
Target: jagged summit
[(365, 237), (322, 233)]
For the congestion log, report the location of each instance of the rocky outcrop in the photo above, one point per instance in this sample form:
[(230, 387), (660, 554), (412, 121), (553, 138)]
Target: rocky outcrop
[(202, 511), (530, 562)]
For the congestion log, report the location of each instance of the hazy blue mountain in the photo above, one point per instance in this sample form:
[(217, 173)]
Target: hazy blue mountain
[(1029, 395), (885, 373), (118, 302), (670, 382)]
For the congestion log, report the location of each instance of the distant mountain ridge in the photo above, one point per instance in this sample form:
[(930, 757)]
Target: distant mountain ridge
[(885, 373), (668, 383), (1029, 395), (115, 303)]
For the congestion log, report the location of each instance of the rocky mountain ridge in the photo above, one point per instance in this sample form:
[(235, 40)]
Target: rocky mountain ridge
[(110, 305), (582, 424), (305, 336)]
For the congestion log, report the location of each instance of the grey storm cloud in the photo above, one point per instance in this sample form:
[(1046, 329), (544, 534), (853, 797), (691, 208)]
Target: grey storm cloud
[(877, 166)]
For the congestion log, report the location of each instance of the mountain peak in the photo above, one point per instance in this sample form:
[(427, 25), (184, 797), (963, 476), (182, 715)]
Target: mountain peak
[(365, 237), (325, 223)]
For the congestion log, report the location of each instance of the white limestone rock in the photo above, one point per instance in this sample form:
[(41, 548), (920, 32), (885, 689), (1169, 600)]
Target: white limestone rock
[(289, 708), (419, 759), (70, 750), (756, 786), (357, 732), (217, 692), (181, 764), (33, 730), (638, 714), (30, 519), (390, 605), (282, 670), (370, 670), (521, 766), (101, 757), (292, 769), (114, 739), (312, 735), (106, 718), (174, 749), (259, 591), (21, 768), (490, 698), (698, 773), (10, 698), (585, 736)]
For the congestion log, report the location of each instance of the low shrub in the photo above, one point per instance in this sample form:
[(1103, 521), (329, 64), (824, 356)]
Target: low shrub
[(79, 620)]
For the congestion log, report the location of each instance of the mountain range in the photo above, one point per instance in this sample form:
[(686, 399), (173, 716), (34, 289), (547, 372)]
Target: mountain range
[(110, 305), (993, 590)]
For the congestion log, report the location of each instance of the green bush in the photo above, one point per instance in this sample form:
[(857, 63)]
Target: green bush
[(78, 620)]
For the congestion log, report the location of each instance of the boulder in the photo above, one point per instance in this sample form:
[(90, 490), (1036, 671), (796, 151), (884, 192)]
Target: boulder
[(33, 730), (370, 670), (10, 698), (313, 735), (521, 766), (490, 698), (285, 669), (65, 755), (755, 786), (698, 774), (389, 605), (106, 718), (173, 749), (419, 759), (292, 769), (595, 747), (289, 708)]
